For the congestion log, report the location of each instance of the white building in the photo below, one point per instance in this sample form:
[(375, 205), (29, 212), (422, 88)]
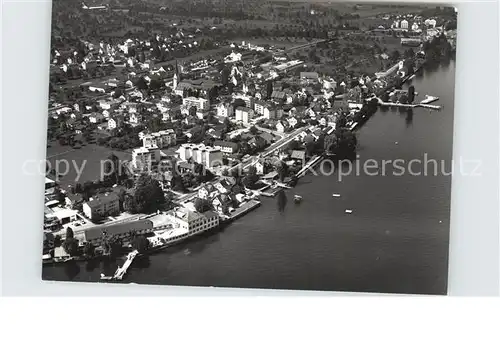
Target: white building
[(143, 157), (108, 104), (273, 112), (135, 118), (207, 156), (193, 222), (114, 123), (102, 206), (259, 107), (244, 115), (414, 27), (404, 24), (161, 139), (430, 22), (96, 117), (329, 84), (232, 57), (225, 109), (200, 103), (280, 127)]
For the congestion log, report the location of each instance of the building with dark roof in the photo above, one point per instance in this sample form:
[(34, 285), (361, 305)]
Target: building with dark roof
[(123, 231)]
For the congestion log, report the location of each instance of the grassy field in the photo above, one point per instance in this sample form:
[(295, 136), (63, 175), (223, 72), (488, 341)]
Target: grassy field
[(88, 159)]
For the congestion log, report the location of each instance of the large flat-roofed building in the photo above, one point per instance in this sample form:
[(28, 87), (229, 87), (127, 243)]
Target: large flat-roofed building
[(244, 115), (227, 147), (273, 112), (200, 103), (161, 139), (193, 222), (102, 206), (145, 157), (207, 156), (95, 235)]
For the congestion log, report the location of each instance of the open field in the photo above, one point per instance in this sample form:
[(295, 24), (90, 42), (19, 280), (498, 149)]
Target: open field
[(87, 158)]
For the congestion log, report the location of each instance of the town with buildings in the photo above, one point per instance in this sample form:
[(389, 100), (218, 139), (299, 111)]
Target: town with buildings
[(187, 113)]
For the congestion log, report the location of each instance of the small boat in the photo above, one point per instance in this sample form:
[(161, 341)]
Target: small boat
[(348, 211), (428, 99), (106, 277), (297, 198), (336, 195)]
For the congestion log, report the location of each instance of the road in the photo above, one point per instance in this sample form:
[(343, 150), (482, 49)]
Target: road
[(306, 45)]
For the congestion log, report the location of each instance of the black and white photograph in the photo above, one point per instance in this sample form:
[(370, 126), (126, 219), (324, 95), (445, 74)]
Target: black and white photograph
[(251, 144)]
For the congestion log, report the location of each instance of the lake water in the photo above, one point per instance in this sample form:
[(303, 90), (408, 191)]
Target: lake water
[(395, 240)]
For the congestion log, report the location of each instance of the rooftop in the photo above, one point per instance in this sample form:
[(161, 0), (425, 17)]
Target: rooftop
[(102, 199), (96, 232)]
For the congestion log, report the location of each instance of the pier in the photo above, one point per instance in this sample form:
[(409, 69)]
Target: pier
[(244, 209), (397, 104), (313, 162), (120, 271)]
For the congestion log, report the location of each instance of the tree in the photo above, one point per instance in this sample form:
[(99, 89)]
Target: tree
[(141, 84), (69, 233), (193, 110), (411, 94), (156, 84), (226, 125), (202, 205), (141, 243), (253, 130), (59, 195), (346, 143), (330, 143), (70, 245), (310, 147), (395, 55), (293, 145), (57, 241), (251, 177), (148, 194), (269, 88), (282, 170), (113, 170), (225, 75), (89, 249), (112, 245), (177, 184)]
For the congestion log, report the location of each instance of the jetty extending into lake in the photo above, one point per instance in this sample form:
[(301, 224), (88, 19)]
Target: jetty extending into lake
[(313, 162), (121, 271), (424, 104)]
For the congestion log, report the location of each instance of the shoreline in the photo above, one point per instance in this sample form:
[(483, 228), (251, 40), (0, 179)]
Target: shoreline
[(355, 125)]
